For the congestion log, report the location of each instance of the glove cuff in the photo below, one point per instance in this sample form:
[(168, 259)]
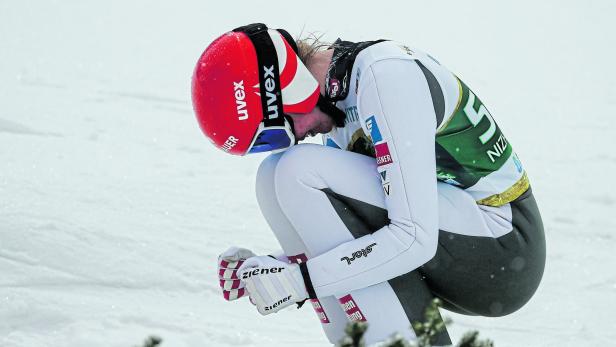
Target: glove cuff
[(303, 266)]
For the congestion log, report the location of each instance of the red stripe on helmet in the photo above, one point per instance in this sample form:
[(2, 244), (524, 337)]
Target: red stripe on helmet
[(290, 67), (304, 106)]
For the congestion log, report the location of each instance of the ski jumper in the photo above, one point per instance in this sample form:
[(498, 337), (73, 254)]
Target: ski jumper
[(419, 195)]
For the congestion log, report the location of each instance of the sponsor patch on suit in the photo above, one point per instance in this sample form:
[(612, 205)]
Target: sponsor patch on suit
[(373, 129), (383, 157)]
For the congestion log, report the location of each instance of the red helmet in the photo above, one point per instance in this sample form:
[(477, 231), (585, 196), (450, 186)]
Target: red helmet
[(245, 83)]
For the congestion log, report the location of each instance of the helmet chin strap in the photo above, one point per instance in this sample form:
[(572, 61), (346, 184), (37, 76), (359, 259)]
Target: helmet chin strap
[(292, 124), (326, 107), (332, 111)]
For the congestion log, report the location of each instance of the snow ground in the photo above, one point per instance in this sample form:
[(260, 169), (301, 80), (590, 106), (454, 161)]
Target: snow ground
[(113, 206)]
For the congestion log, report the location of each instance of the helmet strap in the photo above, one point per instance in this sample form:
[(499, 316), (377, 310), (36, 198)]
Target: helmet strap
[(292, 125), (337, 115), (289, 39), (271, 99)]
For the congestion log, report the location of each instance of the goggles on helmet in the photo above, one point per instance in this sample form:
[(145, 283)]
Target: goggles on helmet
[(272, 138)]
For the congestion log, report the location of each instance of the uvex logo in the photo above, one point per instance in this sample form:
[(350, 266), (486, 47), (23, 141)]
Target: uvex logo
[(358, 254), (270, 86), (240, 95)]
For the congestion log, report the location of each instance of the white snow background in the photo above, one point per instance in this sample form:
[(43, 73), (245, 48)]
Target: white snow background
[(114, 206)]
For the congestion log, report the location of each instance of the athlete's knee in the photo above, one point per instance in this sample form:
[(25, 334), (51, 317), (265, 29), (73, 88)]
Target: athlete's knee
[(265, 184), (299, 166), (267, 168), (299, 158)]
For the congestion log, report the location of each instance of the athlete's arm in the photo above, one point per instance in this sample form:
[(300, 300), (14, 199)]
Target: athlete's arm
[(395, 97)]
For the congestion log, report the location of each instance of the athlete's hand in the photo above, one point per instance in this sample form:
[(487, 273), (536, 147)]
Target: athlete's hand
[(228, 263), (272, 284)]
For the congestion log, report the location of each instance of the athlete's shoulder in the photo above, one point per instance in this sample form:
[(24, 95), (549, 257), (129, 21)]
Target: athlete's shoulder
[(386, 50), (388, 58), (347, 58), (388, 62)]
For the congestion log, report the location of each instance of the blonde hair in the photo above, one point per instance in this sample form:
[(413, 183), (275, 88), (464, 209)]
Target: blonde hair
[(308, 45)]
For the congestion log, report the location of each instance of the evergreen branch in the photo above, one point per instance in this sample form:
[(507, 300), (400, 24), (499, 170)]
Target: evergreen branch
[(426, 332), (152, 341)]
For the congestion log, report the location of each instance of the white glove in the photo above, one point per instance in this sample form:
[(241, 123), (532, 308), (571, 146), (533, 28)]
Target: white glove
[(272, 284), (228, 263)]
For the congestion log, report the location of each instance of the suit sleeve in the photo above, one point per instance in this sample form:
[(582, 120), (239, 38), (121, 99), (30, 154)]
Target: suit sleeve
[(396, 107)]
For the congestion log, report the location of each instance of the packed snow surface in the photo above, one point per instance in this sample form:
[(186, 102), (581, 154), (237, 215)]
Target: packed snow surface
[(114, 207)]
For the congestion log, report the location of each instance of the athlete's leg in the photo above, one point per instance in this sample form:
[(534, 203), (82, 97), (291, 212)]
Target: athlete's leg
[(329, 197), (489, 260), (410, 289), (502, 249), (333, 320)]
